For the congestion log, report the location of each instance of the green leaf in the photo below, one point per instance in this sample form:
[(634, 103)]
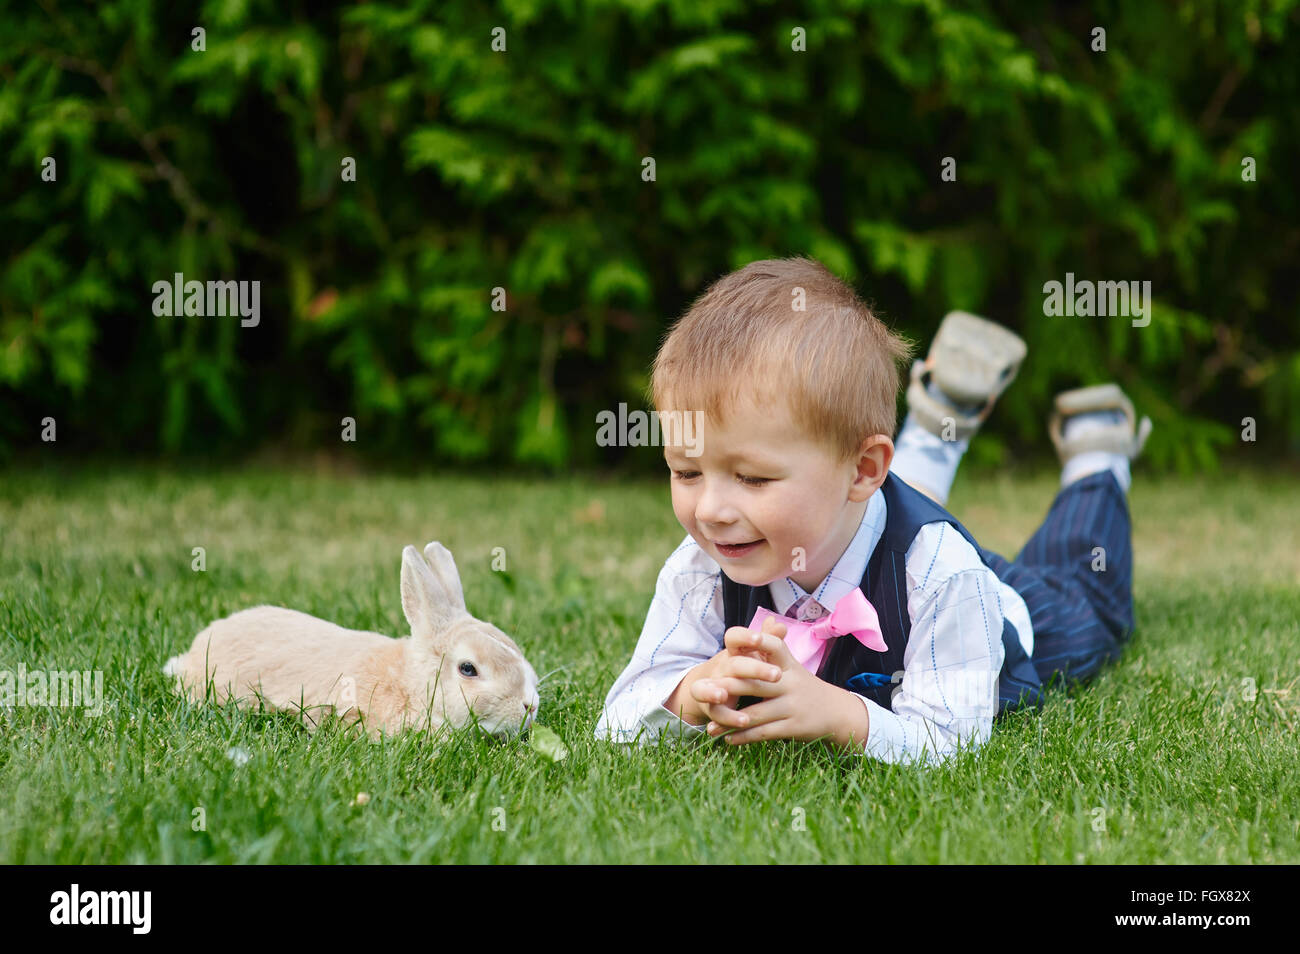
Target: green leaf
[(547, 742)]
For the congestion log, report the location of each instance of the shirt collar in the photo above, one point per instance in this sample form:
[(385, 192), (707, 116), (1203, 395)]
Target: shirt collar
[(849, 569)]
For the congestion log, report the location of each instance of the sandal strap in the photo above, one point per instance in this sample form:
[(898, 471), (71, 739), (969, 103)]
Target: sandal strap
[(1102, 397), (934, 415), (973, 359)]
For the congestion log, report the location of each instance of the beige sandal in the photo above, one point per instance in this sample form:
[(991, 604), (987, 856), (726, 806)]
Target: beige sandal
[(1117, 439), (972, 360)]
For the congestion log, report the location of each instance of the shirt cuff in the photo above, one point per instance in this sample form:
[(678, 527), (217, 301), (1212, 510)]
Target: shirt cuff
[(657, 720), (662, 721), (886, 736)]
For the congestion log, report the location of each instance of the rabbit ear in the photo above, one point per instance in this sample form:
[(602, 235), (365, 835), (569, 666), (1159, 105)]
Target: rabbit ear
[(428, 607), (444, 568)]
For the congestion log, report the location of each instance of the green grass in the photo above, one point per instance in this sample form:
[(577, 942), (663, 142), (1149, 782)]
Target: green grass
[(1166, 752)]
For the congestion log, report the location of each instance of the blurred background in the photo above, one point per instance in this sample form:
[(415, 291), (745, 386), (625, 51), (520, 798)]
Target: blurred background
[(818, 129)]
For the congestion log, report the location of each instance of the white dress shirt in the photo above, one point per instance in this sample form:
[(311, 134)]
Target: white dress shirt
[(948, 693)]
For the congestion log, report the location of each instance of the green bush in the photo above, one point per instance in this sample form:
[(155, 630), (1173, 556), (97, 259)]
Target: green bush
[(522, 169)]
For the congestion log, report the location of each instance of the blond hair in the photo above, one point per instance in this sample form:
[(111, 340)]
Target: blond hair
[(835, 363)]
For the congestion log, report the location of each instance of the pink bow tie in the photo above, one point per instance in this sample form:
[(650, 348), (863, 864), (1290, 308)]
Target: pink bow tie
[(808, 641)]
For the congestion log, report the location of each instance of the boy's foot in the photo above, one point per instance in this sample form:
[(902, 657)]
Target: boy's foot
[(1095, 429), (971, 362)]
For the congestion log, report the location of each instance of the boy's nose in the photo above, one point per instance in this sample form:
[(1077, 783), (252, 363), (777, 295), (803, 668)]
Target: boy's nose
[(711, 509)]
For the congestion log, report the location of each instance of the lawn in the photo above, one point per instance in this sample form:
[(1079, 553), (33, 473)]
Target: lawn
[(1184, 752)]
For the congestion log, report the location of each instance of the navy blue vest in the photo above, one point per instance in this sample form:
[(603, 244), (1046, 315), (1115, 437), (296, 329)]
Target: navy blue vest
[(870, 673)]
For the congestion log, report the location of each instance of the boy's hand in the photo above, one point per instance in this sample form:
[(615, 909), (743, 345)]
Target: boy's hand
[(796, 704), (697, 705), (739, 669)]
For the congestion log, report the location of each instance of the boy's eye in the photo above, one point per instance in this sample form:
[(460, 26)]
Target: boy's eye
[(750, 481)]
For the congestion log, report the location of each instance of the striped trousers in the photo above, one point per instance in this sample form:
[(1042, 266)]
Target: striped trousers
[(1076, 577)]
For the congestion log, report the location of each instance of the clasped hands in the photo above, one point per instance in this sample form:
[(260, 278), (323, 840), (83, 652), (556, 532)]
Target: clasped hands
[(794, 704)]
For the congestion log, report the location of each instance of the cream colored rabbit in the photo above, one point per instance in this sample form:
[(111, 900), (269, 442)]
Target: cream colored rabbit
[(451, 663)]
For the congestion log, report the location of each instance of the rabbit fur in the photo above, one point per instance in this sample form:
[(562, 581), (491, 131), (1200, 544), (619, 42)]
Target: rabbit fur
[(452, 670)]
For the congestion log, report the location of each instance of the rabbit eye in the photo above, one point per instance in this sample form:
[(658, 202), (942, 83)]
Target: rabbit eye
[(467, 669)]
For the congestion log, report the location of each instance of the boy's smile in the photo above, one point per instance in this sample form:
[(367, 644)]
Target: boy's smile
[(766, 501)]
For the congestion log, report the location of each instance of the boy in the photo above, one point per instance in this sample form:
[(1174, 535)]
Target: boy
[(790, 506)]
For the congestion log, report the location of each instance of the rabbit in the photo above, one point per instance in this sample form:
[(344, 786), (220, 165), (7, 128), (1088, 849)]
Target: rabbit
[(450, 665)]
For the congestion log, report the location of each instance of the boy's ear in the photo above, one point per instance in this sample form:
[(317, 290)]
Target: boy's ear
[(874, 458)]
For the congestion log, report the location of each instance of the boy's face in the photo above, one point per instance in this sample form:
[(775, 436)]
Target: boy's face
[(759, 480)]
